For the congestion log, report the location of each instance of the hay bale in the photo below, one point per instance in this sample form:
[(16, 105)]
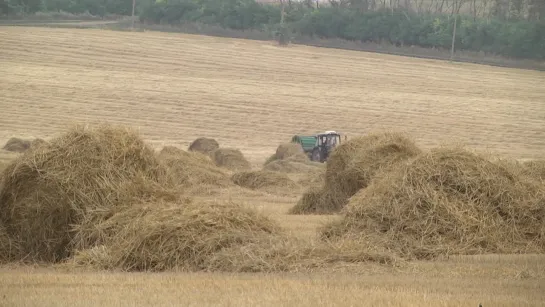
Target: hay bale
[(193, 168), (17, 145), (80, 176), (448, 201), (353, 165), (165, 236), (230, 158), (257, 180), (204, 145)]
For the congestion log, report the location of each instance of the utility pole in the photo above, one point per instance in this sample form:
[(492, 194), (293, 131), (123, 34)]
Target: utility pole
[(453, 38), (132, 17), (281, 14), (282, 39)]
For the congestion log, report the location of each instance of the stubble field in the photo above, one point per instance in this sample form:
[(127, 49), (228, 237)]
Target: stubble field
[(252, 96)]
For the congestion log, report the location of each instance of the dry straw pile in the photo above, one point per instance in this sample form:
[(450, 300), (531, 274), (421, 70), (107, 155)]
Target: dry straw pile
[(263, 179), (312, 179), (192, 168), (291, 165), (288, 254), (448, 201), (167, 236), (9, 249), (204, 145), (20, 145), (290, 158), (288, 150), (102, 198), (17, 145), (230, 158), (535, 169), (197, 236), (3, 166), (37, 142), (353, 165), (78, 177)]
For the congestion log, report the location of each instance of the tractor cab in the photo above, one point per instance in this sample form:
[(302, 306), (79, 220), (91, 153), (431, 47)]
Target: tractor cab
[(330, 139), (325, 143), (318, 146)]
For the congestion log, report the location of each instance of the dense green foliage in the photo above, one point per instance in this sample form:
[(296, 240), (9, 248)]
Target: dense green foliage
[(93, 7), (518, 38)]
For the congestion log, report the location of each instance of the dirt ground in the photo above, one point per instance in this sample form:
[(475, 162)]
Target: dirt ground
[(254, 95)]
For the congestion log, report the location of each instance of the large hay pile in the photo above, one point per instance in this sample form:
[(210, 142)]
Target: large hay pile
[(262, 179), (50, 190), (448, 201), (230, 158), (288, 150), (204, 145), (166, 236), (192, 168), (17, 145), (198, 236), (353, 165), (290, 158)]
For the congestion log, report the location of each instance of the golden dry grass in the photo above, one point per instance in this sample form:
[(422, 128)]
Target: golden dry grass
[(492, 281), (254, 95)]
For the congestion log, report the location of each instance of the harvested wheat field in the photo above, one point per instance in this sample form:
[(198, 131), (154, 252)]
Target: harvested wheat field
[(191, 195), (255, 95)]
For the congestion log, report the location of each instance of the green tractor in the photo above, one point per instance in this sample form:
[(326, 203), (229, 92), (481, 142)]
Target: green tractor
[(319, 146)]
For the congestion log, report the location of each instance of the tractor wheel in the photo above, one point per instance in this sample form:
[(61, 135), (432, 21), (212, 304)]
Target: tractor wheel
[(316, 156)]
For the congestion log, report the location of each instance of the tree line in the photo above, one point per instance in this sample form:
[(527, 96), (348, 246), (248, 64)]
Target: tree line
[(93, 7), (515, 29)]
